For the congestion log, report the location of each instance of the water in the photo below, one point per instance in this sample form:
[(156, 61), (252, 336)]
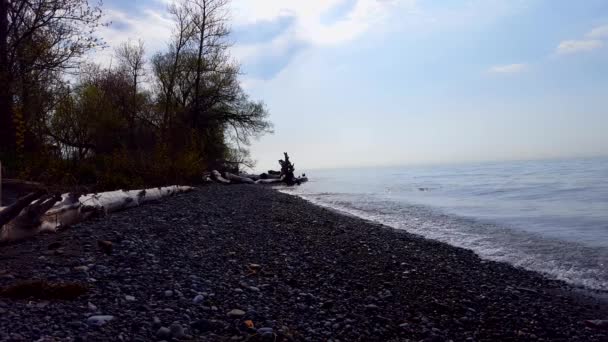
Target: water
[(545, 216)]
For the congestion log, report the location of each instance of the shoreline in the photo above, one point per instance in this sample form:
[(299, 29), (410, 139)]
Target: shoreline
[(202, 265), (600, 294)]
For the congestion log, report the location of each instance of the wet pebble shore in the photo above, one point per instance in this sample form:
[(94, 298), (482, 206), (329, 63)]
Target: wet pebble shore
[(246, 263)]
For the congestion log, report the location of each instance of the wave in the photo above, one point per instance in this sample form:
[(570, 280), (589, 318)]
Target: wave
[(575, 263)]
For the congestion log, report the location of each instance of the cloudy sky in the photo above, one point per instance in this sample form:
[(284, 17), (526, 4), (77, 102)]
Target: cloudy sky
[(388, 82)]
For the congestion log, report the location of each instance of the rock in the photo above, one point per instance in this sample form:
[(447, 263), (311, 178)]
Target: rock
[(168, 293), (105, 246), (202, 325), (597, 324), (156, 322), (266, 334), (198, 299), (54, 245), (327, 305), (76, 324), (130, 298), (99, 320), (91, 306), (163, 333), (236, 313), (81, 268), (255, 289), (177, 330)]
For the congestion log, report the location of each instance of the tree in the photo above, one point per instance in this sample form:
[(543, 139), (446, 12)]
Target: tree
[(168, 66), (199, 81), (105, 127), (38, 39), (131, 62)]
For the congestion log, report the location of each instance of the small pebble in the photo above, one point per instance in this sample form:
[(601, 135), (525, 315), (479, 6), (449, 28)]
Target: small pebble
[(99, 320), (236, 313), (198, 299), (163, 333)]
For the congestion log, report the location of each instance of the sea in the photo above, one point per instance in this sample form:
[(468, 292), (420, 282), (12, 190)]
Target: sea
[(548, 216)]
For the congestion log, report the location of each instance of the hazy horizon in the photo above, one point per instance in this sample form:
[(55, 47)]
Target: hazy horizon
[(448, 163), (369, 82)]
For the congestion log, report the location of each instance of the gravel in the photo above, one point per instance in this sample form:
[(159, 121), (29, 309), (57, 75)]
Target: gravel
[(246, 263)]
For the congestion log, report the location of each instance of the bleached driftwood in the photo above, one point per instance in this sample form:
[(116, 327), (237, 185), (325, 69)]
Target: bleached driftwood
[(45, 215), (29, 220), (269, 181), (250, 176), (7, 214), (286, 176), (238, 179), (217, 176)]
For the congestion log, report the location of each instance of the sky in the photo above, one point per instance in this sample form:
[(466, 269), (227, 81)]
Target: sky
[(353, 83)]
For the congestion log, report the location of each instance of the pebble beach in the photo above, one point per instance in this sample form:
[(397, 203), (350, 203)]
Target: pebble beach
[(248, 263)]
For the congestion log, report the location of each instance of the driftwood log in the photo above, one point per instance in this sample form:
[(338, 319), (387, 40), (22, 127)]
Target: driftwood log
[(269, 181), (250, 176), (285, 176), (238, 179), (30, 217), (217, 176), (12, 211), (287, 170), (39, 212)]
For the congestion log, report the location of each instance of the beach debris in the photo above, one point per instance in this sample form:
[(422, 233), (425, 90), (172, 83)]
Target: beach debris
[(42, 212), (255, 267), (238, 179), (217, 176), (285, 176), (249, 324), (42, 289), (9, 213), (105, 246), (597, 324), (287, 170)]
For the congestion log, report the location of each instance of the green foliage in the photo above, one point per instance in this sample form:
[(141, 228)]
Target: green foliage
[(108, 130)]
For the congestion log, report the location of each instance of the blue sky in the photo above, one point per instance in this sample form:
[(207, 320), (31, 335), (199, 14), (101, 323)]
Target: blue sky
[(388, 82)]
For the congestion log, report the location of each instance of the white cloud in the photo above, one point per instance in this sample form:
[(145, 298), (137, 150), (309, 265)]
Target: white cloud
[(574, 46), (508, 69), (599, 32), (153, 27), (308, 14), (593, 40)]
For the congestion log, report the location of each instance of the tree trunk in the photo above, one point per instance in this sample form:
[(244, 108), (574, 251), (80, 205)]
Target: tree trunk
[(7, 131), (199, 68)]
